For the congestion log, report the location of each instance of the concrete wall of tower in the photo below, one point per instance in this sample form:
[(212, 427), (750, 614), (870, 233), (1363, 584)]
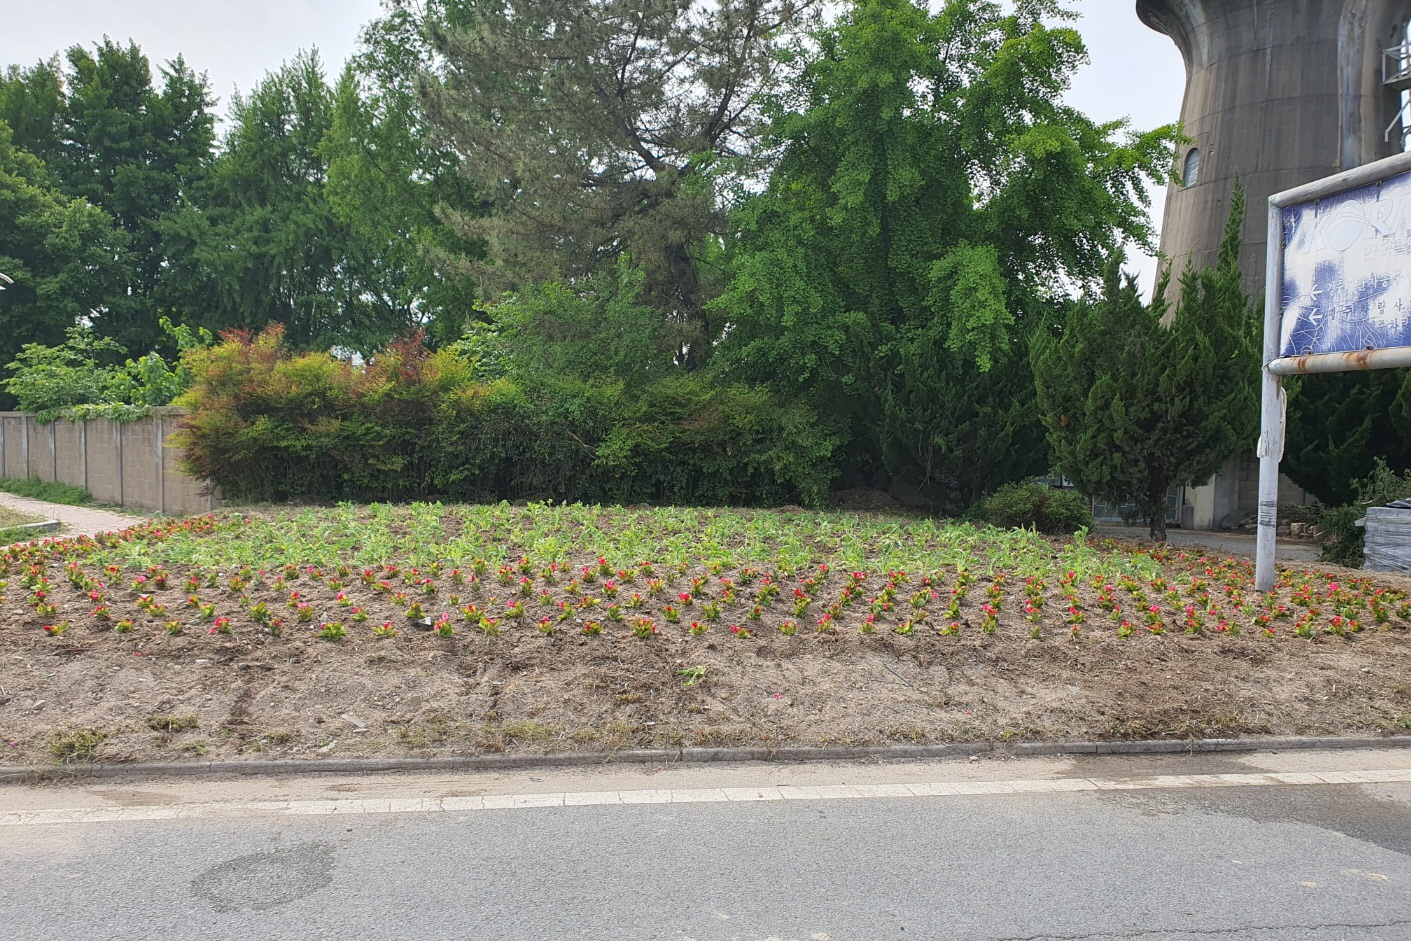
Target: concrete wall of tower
[(1278, 93)]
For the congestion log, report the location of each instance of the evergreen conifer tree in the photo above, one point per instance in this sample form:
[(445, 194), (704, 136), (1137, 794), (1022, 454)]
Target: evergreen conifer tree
[(1339, 424), (1132, 405)]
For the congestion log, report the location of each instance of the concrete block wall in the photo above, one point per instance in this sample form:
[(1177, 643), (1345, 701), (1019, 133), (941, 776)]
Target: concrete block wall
[(14, 458), (102, 450), (128, 464)]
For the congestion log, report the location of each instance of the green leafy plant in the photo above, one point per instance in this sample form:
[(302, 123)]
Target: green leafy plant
[(332, 630), (1342, 540), (71, 378), (691, 675), (1034, 506), (75, 744)]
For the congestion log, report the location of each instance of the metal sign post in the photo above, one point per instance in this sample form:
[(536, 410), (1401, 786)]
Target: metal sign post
[(1337, 298), (1270, 449)]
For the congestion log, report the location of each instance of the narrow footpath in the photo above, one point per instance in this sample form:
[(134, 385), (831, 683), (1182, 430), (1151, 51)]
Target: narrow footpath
[(76, 520)]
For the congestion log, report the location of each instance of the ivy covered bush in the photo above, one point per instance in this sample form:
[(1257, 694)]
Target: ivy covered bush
[(81, 378), (266, 423)]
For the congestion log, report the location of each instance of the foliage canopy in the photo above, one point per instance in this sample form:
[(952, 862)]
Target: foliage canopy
[(596, 129), (1134, 405), (932, 198)]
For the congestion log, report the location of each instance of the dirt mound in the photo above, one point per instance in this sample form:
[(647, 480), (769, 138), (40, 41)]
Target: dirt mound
[(863, 500)]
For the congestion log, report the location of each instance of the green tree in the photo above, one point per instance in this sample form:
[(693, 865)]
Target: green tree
[(389, 173), (62, 254), (933, 197), (1133, 405), (32, 103), (595, 329), (266, 246), (601, 128), (111, 137), (1340, 424)]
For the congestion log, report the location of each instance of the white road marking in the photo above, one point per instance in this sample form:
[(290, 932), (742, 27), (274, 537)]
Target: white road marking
[(421, 805)]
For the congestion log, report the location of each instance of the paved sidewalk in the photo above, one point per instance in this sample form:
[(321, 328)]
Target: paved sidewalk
[(1231, 543), (76, 520)]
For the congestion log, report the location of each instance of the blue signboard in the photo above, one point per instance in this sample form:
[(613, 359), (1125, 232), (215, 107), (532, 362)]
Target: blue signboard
[(1347, 271)]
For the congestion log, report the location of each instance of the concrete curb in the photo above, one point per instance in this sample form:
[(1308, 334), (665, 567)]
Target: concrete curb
[(696, 755), (36, 529)]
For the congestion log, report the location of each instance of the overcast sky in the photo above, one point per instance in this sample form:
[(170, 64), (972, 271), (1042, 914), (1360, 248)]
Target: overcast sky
[(1135, 73)]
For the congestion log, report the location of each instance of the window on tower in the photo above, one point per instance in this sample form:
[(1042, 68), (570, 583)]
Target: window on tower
[(1191, 176)]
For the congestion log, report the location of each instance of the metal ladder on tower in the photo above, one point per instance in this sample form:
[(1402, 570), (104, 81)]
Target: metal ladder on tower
[(1396, 77)]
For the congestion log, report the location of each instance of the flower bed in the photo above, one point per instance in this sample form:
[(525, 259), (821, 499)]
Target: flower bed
[(219, 575), (486, 590)]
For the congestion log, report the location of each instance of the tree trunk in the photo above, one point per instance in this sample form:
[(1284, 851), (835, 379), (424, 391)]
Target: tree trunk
[(1156, 501), (1158, 525)]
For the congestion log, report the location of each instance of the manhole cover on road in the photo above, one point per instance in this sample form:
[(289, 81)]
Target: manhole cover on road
[(266, 880)]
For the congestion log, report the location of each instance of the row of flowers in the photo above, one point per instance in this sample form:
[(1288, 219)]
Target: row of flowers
[(61, 585)]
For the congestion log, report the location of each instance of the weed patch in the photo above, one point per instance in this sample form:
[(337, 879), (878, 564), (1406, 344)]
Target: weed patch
[(75, 744)]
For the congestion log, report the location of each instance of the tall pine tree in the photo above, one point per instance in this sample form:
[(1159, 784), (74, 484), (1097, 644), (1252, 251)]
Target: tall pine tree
[(598, 129), (1133, 406)]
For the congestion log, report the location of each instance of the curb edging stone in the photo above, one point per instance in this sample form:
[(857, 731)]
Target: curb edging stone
[(37, 529), (696, 756)]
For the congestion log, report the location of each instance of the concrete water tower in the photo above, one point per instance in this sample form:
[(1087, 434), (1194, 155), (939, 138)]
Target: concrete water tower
[(1278, 93)]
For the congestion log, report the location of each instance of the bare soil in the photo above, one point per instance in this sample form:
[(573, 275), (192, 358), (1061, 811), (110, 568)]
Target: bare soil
[(95, 695)]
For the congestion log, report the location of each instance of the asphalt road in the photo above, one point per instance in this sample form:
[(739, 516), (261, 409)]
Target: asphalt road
[(1137, 860)]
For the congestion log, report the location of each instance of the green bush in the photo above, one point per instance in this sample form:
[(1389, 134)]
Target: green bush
[(1342, 540), (1034, 506), (72, 379), (265, 424), (688, 440), (50, 491)]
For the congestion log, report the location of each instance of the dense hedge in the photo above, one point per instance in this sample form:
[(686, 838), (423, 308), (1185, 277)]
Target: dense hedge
[(266, 424), (1034, 506)]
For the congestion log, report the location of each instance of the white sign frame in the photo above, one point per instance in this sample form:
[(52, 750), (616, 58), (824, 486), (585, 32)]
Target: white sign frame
[(1270, 448)]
